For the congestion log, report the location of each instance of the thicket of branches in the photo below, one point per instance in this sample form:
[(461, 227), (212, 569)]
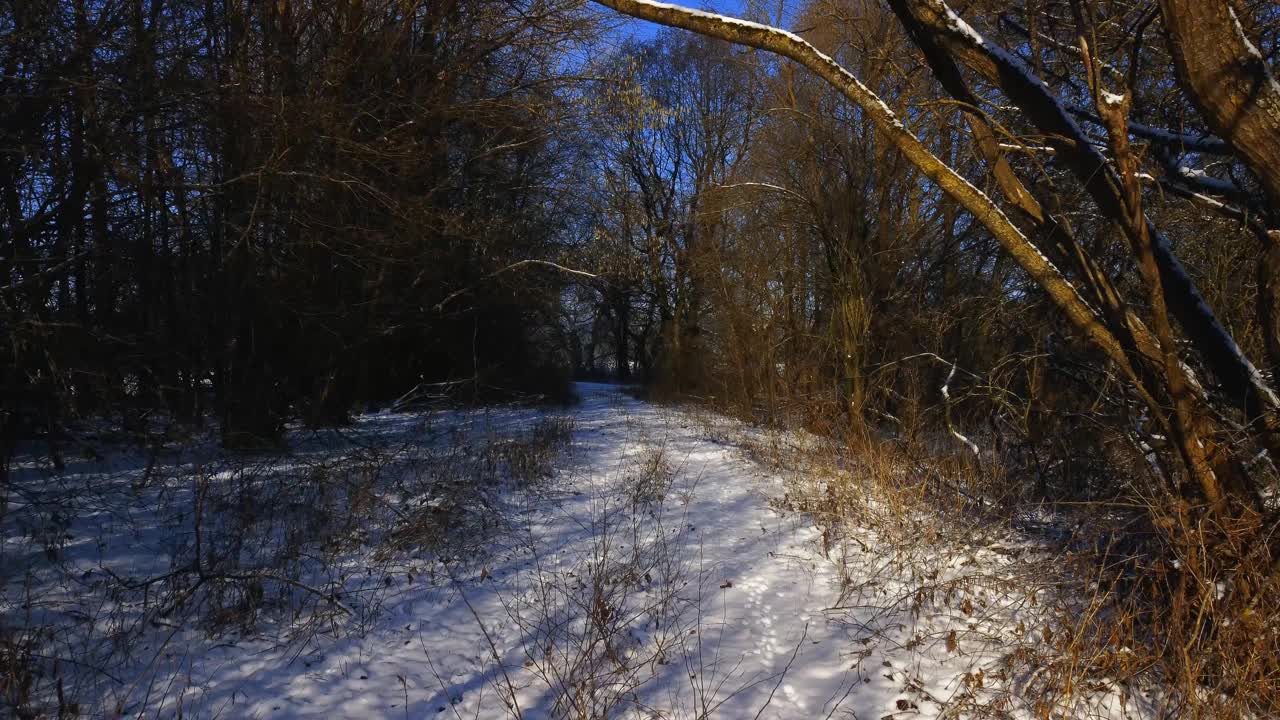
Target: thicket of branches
[(253, 211)]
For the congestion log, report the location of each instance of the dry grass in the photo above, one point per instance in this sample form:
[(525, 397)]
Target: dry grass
[(1131, 603), (459, 484)]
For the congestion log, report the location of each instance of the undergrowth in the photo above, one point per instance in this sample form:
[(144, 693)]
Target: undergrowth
[(108, 563)]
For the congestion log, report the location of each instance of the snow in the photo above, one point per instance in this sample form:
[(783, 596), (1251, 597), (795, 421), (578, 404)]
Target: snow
[(946, 396), (790, 38), (1013, 63), (1253, 51), (1111, 98), (1207, 181), (1175, 268), (660, 569), (1199, 143), (1028, 148)]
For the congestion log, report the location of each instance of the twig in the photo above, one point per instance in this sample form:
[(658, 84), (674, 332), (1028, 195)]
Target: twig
[(440, 305)]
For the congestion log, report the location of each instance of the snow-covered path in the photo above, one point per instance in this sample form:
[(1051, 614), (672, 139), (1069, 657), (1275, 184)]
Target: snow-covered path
[(652, 570), (707, 603)]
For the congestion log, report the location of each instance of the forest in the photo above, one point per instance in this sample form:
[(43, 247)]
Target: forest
[(301, 302)]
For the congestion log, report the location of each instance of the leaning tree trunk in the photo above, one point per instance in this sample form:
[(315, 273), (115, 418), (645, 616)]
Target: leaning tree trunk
[(1229, 82)]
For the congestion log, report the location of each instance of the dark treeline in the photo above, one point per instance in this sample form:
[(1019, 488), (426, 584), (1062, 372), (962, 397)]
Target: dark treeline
[(251, 210)]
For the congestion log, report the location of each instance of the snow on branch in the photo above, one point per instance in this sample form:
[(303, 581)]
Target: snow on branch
[(1183, 141), (762, 186), (946, 396)]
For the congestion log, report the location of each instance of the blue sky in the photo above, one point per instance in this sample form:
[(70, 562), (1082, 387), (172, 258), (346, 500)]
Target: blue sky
[(640, 29), (627, 27)]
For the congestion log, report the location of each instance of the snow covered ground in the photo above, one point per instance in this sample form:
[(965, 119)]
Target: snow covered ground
[(655, 571)]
